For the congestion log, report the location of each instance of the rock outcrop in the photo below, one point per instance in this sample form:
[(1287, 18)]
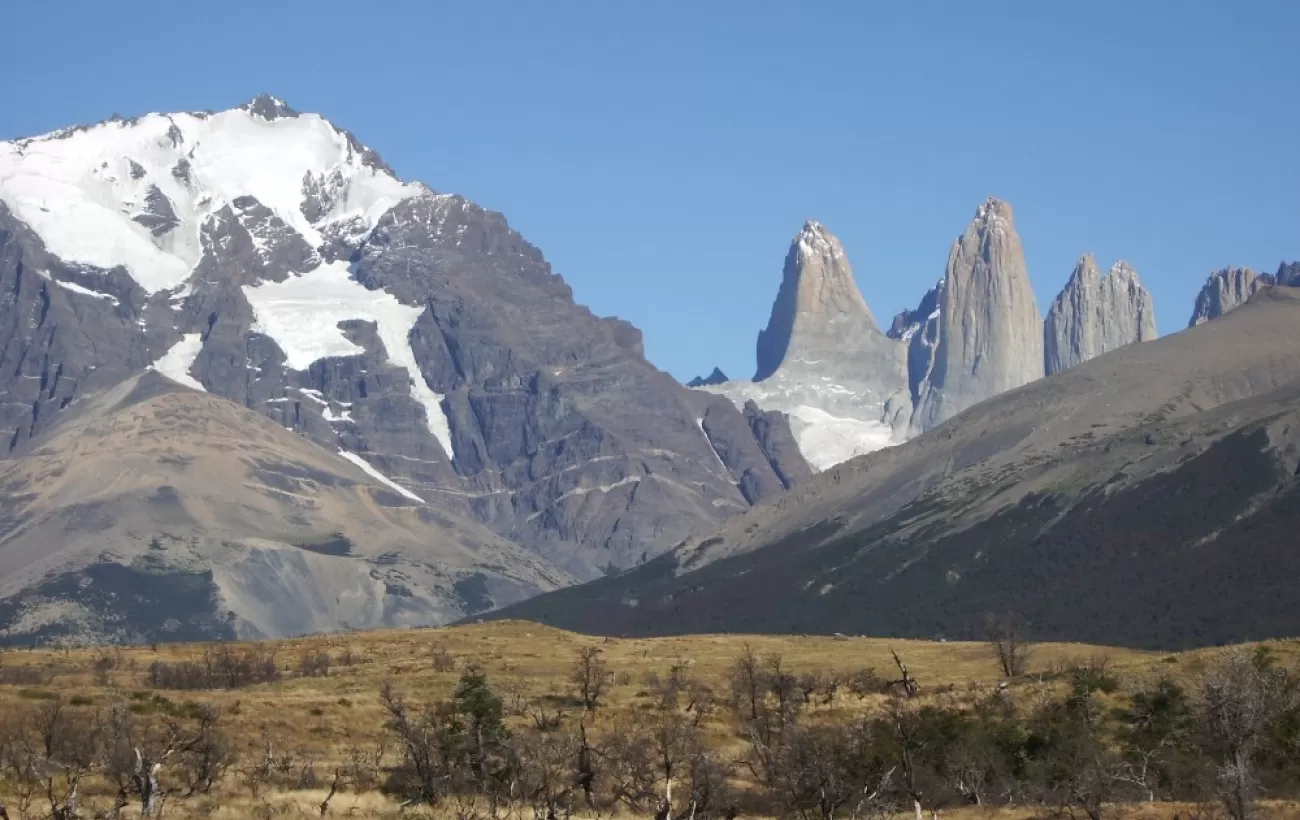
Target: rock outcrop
[(920, 330), (990, 331), (1288, 274), (819, 310), (1224, 290), (716, 377), (823, 360), (1096, 313)]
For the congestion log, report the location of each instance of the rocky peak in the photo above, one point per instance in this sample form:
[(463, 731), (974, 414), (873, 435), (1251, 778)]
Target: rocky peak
[(1288, 274), (1224, 290), (823, 361), (268, 107), (990, 331), (1096, 313), (716, 377), (818, 300)]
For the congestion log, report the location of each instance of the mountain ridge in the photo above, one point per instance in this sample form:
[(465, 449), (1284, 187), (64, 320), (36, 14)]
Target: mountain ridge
[(916, 540), (268, 257)]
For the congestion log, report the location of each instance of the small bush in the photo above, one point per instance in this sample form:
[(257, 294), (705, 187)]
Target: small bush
[(443, 661), (314, 665)]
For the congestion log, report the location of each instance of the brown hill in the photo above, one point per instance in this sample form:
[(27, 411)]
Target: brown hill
[(152, 511)]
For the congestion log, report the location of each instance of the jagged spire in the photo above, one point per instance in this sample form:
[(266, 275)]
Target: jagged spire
[(818, 293), (990, 330), (1095, 314)]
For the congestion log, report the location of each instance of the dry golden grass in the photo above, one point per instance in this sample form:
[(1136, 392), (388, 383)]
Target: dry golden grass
[(322, 718)]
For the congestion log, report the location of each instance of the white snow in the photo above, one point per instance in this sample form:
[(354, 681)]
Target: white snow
[(302, 314), (827, 440), (378, 476), (75, 288), (77, 190), (314, 395), (831, 421), (175, 364), (700, 424), (346, 415)]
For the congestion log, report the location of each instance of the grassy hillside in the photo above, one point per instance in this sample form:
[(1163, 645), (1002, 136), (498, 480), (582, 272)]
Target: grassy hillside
[(320, 720)]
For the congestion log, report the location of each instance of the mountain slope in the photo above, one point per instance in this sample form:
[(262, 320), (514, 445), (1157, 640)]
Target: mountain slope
[(1145, 497), (266, 256), (152, 511)]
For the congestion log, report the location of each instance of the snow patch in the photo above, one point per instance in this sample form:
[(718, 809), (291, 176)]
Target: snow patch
[(700, 424), (175, 364), (302, 315), (378, 476), (826, 440), (84, 291), (346, 415)]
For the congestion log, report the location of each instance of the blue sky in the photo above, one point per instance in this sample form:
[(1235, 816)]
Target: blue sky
[(663, 154)]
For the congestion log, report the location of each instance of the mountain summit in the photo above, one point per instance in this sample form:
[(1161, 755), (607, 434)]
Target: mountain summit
[(822, 358), (990, 331), (1095, 314), (817, 304)]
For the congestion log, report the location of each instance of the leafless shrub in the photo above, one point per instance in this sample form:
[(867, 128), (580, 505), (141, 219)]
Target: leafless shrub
[(589, 677), (443, 660), (1006, 637), (314, 665), (219, 668)]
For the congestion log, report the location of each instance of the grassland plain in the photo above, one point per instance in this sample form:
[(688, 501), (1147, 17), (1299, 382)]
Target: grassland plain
[(324, 715)]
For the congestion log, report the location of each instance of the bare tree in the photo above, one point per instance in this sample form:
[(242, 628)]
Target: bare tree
[(138, 751), (1005, 636), (590, 676), (1242, 696), (748, 684), (906, 683)]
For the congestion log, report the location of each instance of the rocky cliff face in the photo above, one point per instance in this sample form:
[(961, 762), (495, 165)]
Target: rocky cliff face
[(1288, 274), (269, 258), (1224, 290), (1095, 314), (919, 329), (823, 360), (990, 331)]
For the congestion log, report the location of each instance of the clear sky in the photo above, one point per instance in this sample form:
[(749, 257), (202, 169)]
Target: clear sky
[(663, 154)]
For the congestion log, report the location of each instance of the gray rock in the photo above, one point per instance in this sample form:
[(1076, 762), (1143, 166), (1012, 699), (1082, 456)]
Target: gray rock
[(920, 330), (1224, 290), (990, 331), (1288, 274), (716, 377), (772, 432), (159, 216), (823, 360), (269, 108), (818, 310), (1095, 314)]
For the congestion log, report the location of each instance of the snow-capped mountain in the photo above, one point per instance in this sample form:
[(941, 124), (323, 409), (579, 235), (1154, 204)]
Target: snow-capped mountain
[(267, 257)]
